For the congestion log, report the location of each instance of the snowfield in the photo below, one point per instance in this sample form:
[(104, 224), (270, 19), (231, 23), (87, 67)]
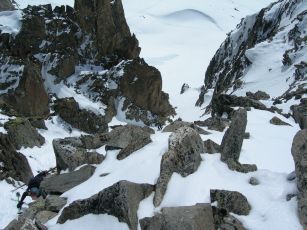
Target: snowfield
[(179, 37)]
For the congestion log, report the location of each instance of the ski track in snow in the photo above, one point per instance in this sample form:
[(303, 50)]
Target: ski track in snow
[(180, 38)]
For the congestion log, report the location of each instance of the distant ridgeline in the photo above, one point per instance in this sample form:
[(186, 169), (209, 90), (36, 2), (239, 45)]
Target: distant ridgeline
[(266, 52)]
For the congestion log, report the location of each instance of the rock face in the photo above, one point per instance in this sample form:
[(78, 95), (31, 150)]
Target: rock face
[(178, 124), (197, 217), (70, 153), (299, 153), (120, 200), (22, 134), (300, 114), (183, 157), (232, 201), (58, 184), (106, 21), (87, 121), (14, 164), (6, 5)]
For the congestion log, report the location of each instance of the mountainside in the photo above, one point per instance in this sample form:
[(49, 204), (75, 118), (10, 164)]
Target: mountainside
[(128, 152)]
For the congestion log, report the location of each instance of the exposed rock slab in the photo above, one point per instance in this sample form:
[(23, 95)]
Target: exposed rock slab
[(120, 200)]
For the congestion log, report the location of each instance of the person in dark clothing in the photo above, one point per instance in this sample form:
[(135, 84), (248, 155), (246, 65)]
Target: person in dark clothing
[(34, 189)]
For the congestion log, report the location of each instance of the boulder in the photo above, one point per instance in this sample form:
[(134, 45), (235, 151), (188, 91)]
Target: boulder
[(225, 221), (58, 184), (71, 153), (13, 164), (214, 123), (232, 201), (183, 157), (44, 216), (120, 200), (254, 181), (178, 124), (278, 121), (23, 134), (300, 113), (64, 67), (299, 153), (87, 121), (211, 147), (197, 217), (6, 5), (259, 95), (55, 203)]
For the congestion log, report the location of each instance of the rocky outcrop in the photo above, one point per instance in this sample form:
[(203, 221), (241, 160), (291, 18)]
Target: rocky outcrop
[(299, 153), (13, 164), (120, 200), (277, 121), (300, 113), (87, 121), (211, 147), (259, 95), (231, 201), (6, 5), (70, 153), (58, 184), (178, 124), (197, 217), (232, 142), (23, 134), (183, 157)]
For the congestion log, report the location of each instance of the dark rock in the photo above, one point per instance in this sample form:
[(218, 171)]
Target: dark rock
[(58, 184), (211, 147), (120, 200), (14, 164), (65, 67), (254, 181), (6, 5), (43, 217), (243, 168), (87, 121), (178, 124), (184, 88), (214, 123), (232, 201), (291, 176), (233, 139), (197, 217), (278, 121), (183, 157), (299, 153), (290, 196), (300, 114), (223, 220), (94, 141), (22, 134), (247, 135), (259, 95), (24, 98), (70, 153), (55, 203)]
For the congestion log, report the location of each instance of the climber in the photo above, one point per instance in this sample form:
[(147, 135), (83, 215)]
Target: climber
[(34, 189)]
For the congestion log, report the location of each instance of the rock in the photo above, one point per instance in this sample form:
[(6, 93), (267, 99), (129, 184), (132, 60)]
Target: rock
[(299, 153), (64, 68), (178, 124), (290, 196), (259, 95), (247, 135), (94, 141), (197, 217), (38, 123), (87, 121), (120, 200), (233, 139), (223, 220), (43, 217), (6, 5), (300, 114), (254, 181), (291, 176), (132, 147), (24, 98), (211, 147), (71, 153), (14, 164), (214, 123), (232, 201), (22, 134), (55, 203), (278, 121), (184, 88), (58, 184), (183, 157), (243, 168), (106, 21)]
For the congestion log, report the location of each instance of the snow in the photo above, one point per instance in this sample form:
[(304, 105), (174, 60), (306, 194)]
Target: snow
[(10, 21), (180, 38)]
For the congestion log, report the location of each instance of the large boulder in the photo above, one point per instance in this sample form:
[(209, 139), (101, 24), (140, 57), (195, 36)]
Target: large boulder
[(299, 153), (231, 201), (120, 200), (87, 121), (23, 134), (300, 113), (105, 20), (6, 5), (183, 157), (71, 153), (58, 184), (13, 164), (178, 124), (197, 217)]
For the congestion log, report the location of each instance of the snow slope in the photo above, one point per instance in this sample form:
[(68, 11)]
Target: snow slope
[(179, 38)]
